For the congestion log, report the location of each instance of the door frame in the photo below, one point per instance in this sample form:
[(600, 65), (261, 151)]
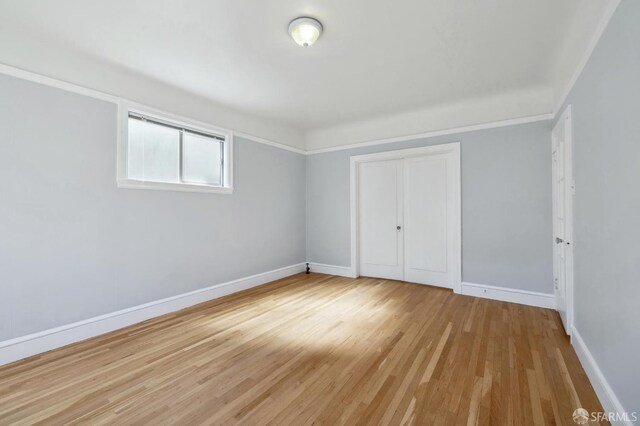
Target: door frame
[(447, 148), (569, 193)]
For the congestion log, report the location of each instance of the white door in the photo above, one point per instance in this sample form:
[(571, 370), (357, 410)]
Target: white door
[(380, 201), (409, 216), (429, 201), (563, 187)]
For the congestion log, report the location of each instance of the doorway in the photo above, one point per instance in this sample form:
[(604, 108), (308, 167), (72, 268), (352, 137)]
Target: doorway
[(563, 188)]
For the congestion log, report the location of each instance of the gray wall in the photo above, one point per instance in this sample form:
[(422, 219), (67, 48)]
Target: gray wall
[(73, 245), (506, 205), (606, 144)]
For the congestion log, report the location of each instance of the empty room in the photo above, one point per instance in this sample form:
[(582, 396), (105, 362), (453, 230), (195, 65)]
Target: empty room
[(330, 212)]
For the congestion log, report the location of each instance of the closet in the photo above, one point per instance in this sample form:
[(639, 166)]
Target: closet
[(409, 215)]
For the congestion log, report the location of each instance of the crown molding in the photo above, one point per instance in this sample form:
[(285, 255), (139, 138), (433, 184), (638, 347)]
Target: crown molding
[(58, 84), (451, 131), (74, 88), (96, 94), (264, 141)]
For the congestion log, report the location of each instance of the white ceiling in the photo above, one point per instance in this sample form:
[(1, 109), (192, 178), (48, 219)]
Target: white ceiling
[(415, 65)]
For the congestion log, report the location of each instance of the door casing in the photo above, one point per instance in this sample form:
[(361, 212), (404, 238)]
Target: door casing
[(448, 148)]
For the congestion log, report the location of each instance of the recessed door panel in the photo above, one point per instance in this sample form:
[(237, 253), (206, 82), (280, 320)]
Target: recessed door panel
[(427, 228), (380, 190)]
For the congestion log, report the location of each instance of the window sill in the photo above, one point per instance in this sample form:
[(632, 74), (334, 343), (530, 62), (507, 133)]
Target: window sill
[(183, 187)]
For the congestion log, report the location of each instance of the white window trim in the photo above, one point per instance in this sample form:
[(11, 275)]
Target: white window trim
[(123, 133)]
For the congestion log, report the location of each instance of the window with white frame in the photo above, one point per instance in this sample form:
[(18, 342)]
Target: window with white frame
[(159, 152)]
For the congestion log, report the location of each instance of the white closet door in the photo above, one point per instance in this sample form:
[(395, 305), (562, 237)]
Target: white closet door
[(380, 193), (428, 224)]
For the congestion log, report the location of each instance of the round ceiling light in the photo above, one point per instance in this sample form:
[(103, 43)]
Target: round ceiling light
[(305, 31)]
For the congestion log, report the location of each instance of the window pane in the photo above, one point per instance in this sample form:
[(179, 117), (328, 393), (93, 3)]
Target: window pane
[(154, 152), (201, 159)]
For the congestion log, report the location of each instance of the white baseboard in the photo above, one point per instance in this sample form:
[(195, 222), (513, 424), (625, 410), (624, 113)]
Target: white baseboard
[(524, 297), (33, 344), (342, 271), (607, 397)]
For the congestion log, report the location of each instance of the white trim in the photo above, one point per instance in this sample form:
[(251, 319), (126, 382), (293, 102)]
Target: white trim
[(32, 344), (74, 88), (451, 131), (58, 84), (269, 142), (597, 34), (124, 107), (607, 397), (504, 294), (341, 271), (179, 120), (166, 186), (453, 147)]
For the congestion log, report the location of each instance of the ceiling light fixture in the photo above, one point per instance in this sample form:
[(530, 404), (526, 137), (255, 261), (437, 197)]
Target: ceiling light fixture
[(305, 31)]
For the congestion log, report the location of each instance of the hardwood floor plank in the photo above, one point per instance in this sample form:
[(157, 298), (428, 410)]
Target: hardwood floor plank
[(313, 349)]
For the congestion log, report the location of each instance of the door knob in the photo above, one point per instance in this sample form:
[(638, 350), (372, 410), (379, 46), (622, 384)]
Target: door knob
[(559, 240), (398, 227)]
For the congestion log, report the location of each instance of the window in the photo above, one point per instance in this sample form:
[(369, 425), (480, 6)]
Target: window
[(158, 152)]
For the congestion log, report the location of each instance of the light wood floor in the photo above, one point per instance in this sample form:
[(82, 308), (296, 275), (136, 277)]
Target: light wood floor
[(313, 349)]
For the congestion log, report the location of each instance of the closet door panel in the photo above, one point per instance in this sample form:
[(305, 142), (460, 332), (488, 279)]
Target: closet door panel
[(426, 220), (380, 207)]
